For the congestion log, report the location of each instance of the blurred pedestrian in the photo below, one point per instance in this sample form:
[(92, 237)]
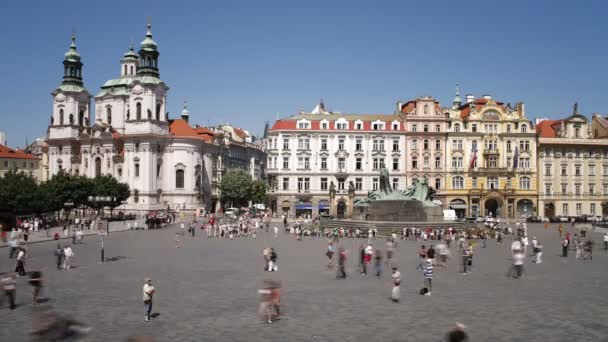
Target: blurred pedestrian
[(518, 264), (59, 256), (9, 285), (539, 253), (341, 263), (148, 294), (396, 279), (457, 334), (428, 276), (21, 256), (565, 243), (68, 253), (36, 282), (330, 255), (378, 262)]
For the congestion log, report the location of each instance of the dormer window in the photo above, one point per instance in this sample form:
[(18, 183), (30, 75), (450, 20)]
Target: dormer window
[(324, 124), (341, 124), (524, 128), (303, 124), (359, 125), (456, 128), (377, 125), (395, 126)]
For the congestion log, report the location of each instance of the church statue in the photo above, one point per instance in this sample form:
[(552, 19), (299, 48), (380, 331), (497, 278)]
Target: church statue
[(52, 120), (332, 189), (351, 189), (419, 191)]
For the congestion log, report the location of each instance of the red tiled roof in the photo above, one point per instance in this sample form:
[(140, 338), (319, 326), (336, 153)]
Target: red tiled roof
[(240, 133), (602, 121), (545, 128), (180, 128), (7, 152)]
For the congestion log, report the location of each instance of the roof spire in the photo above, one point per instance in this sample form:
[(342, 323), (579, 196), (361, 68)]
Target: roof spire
[(575, 109), (185, 111), (457, 99), (149, 33)]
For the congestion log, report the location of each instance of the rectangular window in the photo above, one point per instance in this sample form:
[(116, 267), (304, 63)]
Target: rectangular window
[(358, 164), (474, 128), (564, 189), (324, 125), (374, 184), (579, 209), (300, 162), (307, 163), (437, 162), (359, 145), (508, 145), (323, 144), (285, 183), (605, 189), (414, 144), (323, 183), (300, 184), (323, 163), (425, 144), (414, 163), (474, 182), (414, 127), (438, 145), (547, 169), (285, 163), (425, 128), (136, 169), (395, 183), (604, 170), (577, 170), (592, 208), (425, 161), (564, 170), (395, 164), (577, 189), (359, 126), (341, 183), (378, 145), (492, 183), (342, 164), (286, 143), (358, 184), (307, 184), (395, 145), (547, 189), (591, 170), (493, 161), (437, 128), (457, 162), (376, 163), (437, 183), (591, 189), (565, 209), (341, 144)]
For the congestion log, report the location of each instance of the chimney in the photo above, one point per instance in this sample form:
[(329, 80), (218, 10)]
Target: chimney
[(521, 109), (487, 97), (470, 98)]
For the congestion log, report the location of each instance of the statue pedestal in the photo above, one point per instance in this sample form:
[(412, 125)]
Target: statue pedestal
[(403, 211), (332, 205)]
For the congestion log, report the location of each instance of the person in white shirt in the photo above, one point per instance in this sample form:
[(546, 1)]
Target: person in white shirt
[(396, 278), (148, 294), (518, 264), (20, 269), (68, 253), (606, 241)]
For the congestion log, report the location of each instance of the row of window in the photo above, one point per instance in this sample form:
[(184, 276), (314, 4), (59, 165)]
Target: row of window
[(343, 124), (491, 162), (577, 170), (15, 165), (304, 163), (578, 189), (491, 128), (488, 145), (491, 183), (304, 144), (579, 209), (304, 184)]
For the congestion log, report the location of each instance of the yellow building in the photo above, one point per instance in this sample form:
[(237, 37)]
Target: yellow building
[(491, 159)]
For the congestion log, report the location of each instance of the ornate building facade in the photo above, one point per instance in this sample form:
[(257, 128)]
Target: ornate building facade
[(309, 152), (573, 162), (491, 153), (166, 162)]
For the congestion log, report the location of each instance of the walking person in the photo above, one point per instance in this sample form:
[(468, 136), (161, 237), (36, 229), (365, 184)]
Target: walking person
[(68, 253), (565, 243), (273, 261), (330, 255), (9, 285), (396, 279), (465, 260), (378, 263), (59, 256), (36, 282), (13, 242), (276, 232), (341, 263), (606, 241), (428, 276), (539, 253), (148, 294), (518, 264), (20, 268), (362, 260)]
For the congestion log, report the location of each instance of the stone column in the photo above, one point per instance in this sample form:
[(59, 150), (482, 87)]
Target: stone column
[(332, 205), (350, 207)]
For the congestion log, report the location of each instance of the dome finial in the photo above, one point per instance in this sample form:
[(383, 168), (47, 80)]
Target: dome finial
[(457, 89), (457, 99), (149, 33), (73, 38)]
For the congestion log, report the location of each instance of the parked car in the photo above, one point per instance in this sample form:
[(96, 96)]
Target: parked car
[(534, 219)]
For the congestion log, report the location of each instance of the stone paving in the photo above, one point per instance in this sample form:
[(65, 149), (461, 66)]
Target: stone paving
[(206, 291)]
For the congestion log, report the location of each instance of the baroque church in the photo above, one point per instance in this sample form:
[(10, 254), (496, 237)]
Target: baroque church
[(167, 163)]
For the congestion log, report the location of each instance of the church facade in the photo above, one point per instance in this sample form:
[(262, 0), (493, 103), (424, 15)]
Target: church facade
[(167, 162)]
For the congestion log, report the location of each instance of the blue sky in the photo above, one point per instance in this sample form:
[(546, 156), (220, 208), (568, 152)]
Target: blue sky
[(243, 61)]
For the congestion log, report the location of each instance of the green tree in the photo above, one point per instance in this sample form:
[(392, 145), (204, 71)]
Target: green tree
[(258, 191), (108, 186), (18, 193), (236, 187)]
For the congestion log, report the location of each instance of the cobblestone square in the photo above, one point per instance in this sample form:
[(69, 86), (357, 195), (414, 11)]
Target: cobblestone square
[(207, 291)]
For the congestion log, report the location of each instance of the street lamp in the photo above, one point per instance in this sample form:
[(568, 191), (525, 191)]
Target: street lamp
[(96, 200)]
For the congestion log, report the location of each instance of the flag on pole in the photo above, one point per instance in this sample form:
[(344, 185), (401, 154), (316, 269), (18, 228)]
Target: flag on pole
[(473, 158), (516, 158)]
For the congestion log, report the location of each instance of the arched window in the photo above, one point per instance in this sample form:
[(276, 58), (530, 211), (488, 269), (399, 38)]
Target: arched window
[(158, 111), (426, 109), (524, 128), (125, 70), (457, 128), (149, 114), (524, 183), (136, 196), (138, 111), (179, 179), (577, 132), (81, 118), (97, 167), (109, 115), (60, 117), (131, 70), (71, 119), (457, 182)]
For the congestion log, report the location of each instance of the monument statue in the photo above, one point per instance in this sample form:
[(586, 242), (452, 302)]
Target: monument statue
[(332, 189), (351, 189), (420, 191)]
